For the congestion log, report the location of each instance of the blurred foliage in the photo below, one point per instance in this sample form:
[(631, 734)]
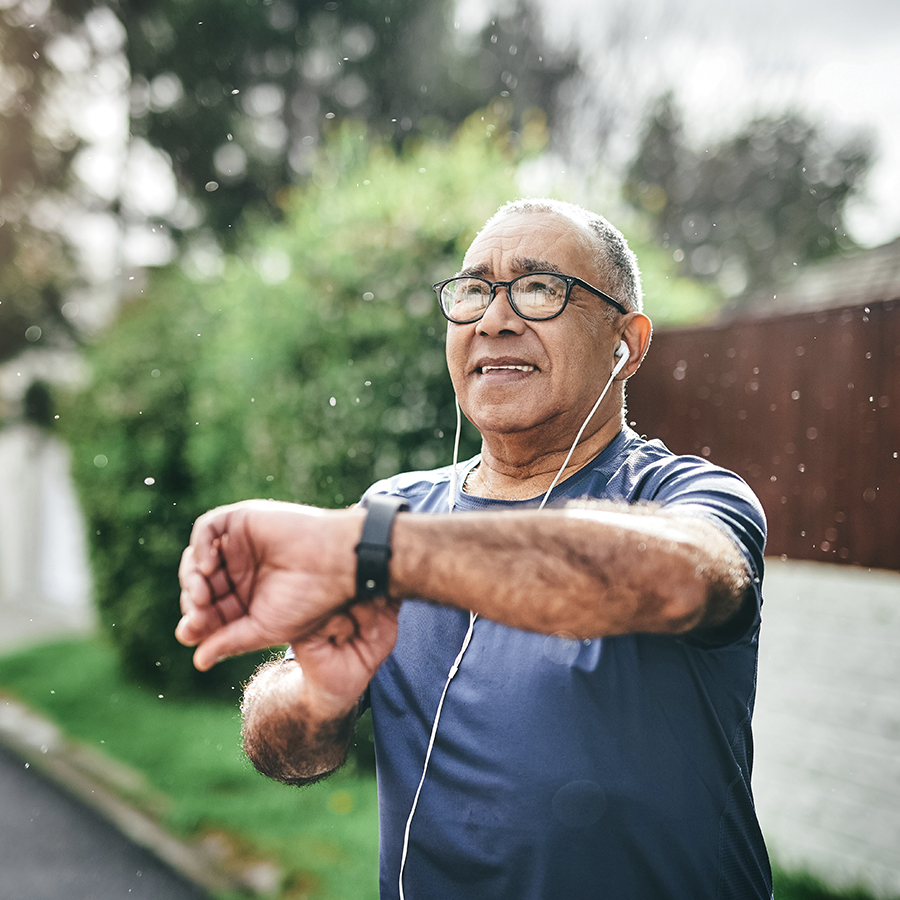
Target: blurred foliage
[(35, 156), (237, 96), (745, 211), (240, 95), (312, 365), (793, 885)]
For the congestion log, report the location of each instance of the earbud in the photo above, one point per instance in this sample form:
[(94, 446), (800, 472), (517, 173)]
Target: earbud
[(622, 356)]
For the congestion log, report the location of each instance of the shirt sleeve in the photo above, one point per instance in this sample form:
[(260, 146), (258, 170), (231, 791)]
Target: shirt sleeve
[(693, 486)]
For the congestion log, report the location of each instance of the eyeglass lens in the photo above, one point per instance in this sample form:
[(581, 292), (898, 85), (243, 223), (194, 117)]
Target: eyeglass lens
[(538, 296)]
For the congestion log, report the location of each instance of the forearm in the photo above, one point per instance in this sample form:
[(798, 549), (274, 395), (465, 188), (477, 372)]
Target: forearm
[(600, 570), (291, 733)]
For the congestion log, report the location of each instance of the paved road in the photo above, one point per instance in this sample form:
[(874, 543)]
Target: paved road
[(52, 847)]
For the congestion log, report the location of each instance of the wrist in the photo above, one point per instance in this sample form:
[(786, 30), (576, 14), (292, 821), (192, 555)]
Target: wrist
[(374, 550)]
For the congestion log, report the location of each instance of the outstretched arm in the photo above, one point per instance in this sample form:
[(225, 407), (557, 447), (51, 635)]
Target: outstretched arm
[(260, 573), (601, 569)]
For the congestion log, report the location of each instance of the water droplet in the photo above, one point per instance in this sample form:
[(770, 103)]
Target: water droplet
[(562, 648), (579, 804)]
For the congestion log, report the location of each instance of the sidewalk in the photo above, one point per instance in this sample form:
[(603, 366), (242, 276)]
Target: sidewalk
[(51, 846), (21, 626)]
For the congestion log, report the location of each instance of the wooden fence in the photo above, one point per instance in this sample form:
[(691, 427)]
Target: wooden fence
[(805, 407)]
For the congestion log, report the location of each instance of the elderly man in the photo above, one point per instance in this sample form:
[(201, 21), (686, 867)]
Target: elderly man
[(561, 696)]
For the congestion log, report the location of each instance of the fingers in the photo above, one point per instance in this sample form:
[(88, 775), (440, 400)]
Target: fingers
[(233, 639), (199, 622), (206, 539), (209, 598)]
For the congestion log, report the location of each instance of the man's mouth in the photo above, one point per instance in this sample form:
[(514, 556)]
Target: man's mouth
[(484, 370)]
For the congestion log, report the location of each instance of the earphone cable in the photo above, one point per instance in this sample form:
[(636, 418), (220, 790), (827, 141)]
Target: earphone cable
[(616, 369), (454, 486), (434, 728)]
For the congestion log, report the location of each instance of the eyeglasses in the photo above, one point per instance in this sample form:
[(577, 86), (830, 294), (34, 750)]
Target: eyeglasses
[(535, 296)]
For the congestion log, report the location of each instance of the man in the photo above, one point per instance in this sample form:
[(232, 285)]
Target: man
[(561, 697)]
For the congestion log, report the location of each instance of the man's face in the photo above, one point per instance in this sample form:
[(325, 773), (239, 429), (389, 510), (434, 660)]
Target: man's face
[(513, 375)]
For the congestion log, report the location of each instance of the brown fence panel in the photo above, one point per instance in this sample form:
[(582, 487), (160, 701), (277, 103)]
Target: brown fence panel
[(806, 408)]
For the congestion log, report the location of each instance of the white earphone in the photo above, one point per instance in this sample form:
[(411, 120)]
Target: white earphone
[(621, 355)]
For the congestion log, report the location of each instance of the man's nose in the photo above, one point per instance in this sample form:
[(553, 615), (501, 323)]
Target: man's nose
[(500, 317)]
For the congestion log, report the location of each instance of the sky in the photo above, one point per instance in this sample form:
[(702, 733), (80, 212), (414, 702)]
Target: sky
[(727, 60)]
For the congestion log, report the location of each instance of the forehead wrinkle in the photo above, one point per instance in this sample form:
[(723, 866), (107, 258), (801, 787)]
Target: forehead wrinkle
[(522, 264), (529, 264)]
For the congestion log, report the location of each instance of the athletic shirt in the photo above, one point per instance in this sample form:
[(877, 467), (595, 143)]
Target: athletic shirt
[(611, 769)]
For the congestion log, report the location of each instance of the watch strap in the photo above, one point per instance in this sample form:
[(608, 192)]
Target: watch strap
[(373, 552)]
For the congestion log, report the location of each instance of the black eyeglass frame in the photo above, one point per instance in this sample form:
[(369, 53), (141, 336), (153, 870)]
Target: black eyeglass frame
[(570, 280)]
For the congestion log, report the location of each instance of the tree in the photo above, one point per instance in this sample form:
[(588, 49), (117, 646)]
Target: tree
[(746, 209), (36, 150), (240, 95), (237, 97), (514, 59)]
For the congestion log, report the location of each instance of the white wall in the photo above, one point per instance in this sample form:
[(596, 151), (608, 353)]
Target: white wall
[(45, 585), (827, 770)]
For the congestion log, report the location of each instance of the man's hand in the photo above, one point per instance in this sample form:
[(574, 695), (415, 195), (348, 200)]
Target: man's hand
[(298, 715), (261, 573)]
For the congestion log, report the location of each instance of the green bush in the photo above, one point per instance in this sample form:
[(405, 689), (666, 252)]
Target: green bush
[(313, 366)]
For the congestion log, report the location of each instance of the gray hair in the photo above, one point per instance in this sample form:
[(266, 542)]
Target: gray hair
[(615, 261)]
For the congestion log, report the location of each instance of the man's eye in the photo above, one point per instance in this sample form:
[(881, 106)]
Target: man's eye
[(470, 291), (540, 288)]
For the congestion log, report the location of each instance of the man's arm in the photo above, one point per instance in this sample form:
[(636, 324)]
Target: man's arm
[(259, 574), (298, 714), (283, 735), (597, 570)]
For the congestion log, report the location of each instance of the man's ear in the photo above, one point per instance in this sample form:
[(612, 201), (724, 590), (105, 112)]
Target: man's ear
[(636, 334)]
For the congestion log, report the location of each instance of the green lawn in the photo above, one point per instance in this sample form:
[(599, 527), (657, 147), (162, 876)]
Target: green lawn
[(325, 837)]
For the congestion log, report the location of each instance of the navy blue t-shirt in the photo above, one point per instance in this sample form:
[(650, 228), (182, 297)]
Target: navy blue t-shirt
[(610, 769)]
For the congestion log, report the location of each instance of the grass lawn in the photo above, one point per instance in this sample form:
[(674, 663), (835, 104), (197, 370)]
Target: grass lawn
[(325, 837)]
